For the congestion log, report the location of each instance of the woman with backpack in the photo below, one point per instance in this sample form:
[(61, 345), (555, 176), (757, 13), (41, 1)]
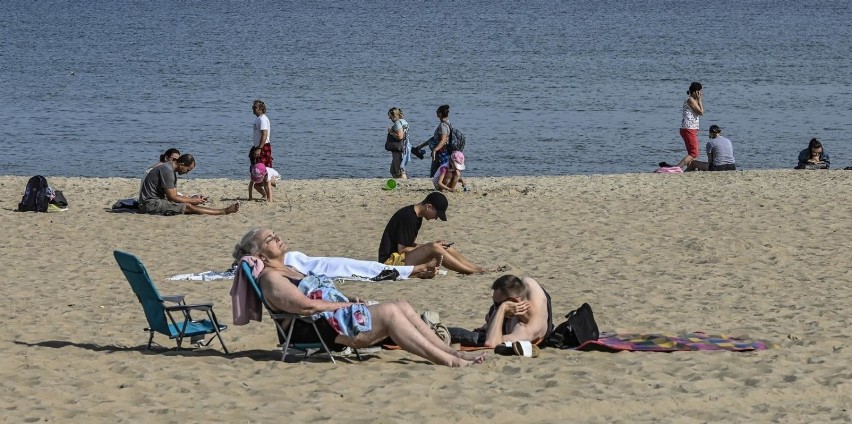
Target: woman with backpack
[(441, 138)]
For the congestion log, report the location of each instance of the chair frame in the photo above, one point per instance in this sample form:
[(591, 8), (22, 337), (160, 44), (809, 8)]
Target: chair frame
[(180, 307), (278, 317)]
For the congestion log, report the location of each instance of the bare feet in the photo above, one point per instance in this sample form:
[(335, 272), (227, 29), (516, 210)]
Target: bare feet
[(233, 208), (476, 357)]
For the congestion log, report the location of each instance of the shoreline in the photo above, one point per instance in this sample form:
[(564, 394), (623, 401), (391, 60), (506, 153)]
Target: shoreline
[(756, 254)]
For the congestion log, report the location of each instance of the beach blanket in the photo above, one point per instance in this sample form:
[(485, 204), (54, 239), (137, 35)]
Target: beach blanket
[(667, 343), (204, 276)]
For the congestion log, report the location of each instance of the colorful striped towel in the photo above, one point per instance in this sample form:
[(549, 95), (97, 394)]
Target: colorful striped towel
[(667, 343)]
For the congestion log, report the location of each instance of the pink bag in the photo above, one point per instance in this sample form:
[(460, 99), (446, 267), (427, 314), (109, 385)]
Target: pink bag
[(669, 170)]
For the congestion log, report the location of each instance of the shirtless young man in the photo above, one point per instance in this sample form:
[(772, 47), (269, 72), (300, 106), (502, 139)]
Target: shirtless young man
[(521, 311)]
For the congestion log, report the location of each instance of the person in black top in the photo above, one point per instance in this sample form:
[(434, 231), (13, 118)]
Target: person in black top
[(399, 247)]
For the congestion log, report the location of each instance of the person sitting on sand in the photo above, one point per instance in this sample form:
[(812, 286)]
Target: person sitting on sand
[(449, 174), (158, 192), (398, 245), (720, 154), (814, 157), (167, 156), (521, 312), (283, 290)]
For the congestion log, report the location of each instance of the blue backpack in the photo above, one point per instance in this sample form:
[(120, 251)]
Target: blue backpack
[(36, 196)]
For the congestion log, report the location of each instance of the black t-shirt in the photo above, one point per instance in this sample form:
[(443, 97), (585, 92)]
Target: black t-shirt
[(401, 229)]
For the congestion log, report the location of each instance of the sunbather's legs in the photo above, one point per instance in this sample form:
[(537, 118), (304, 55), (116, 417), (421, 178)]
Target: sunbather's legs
[(459, 257), (415, 320), (389, 320), (430, 251), (203, 210)]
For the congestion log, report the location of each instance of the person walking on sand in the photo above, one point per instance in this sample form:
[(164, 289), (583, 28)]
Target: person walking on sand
[(398, 245), (693, 108), (262, 133), (438, 142), (158, 192), (398, 135)]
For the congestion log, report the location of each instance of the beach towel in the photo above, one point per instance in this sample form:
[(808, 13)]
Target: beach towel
[(669, 170), (205, 276), (340, 267), (667, 343)]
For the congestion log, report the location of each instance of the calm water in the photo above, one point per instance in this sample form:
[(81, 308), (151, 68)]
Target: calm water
[(101, 88)]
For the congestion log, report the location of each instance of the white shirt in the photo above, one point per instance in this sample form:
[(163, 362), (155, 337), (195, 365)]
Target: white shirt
[(261, 123)]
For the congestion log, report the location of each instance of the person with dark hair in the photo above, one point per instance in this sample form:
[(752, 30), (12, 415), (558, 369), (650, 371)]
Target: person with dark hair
[(168, 155), (720, 151), (261, 137), (399, 247), (438, 141), (720, 154), (814, 157), (521, 312), (693, 108), (158, 192)]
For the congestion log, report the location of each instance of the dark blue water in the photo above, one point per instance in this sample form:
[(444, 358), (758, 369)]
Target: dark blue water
[(101, 88)]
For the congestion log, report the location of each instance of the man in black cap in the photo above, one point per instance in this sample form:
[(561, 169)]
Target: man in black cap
[(399, 247)]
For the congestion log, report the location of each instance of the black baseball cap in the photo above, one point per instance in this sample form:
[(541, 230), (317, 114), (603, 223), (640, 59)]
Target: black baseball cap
[(439, 202)]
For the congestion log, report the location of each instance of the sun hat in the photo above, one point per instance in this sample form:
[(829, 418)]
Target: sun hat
[(258, 173), (458, 159)]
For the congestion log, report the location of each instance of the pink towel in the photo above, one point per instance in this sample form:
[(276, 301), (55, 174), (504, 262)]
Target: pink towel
[(244, 302)]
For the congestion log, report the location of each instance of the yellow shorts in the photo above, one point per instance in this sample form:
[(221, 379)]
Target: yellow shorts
[(395, 259)]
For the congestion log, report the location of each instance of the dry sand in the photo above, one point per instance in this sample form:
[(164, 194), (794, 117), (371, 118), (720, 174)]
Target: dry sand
[(763, 255)]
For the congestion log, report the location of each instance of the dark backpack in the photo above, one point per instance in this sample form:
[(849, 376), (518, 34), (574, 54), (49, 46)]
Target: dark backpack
[(578, 328), (456, 140), (36, 196)]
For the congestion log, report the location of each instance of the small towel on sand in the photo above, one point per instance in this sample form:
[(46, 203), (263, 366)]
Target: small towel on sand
[(204, 276), (668, 343)]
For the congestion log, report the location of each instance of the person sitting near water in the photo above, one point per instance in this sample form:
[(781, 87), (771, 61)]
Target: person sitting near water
[(398, 245), (356, 325), (720, 154), (158, 193), (521, 312), (814, 157), (167, 156), (449, 174)]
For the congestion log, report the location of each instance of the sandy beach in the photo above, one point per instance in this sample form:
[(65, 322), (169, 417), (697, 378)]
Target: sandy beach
[(762, 255)]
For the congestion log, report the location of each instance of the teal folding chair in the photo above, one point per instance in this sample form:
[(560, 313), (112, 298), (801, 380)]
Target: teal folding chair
[(280, 317), (160, 317)]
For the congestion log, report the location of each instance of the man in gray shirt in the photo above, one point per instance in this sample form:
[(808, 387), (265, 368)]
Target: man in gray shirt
[(158, 192), (720, 152)]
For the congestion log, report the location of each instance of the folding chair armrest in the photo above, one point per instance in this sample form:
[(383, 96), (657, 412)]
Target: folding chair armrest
[(193, 307), (282, 315), (176, 298)]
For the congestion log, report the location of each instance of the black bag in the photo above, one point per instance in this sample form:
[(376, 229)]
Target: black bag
[(392, 144), (579, 328), (456, 140), (36, 196), (59, 199)]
